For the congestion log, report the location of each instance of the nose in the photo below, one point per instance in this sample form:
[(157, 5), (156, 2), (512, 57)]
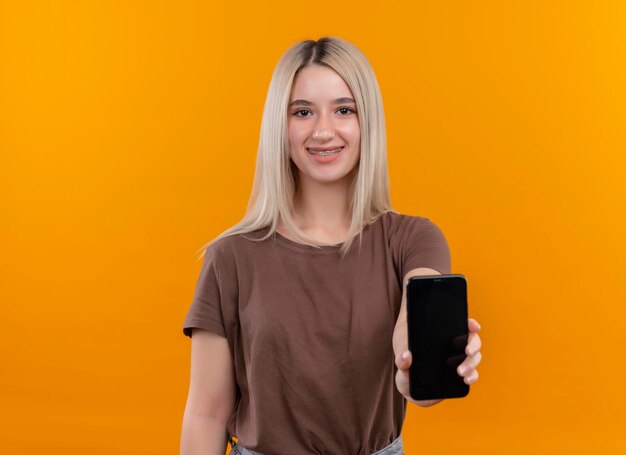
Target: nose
[(324, 128)]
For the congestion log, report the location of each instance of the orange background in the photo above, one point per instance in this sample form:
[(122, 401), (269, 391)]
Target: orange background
[(128, 135)]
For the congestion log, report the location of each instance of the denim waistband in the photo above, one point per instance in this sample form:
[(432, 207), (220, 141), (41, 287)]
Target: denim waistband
[(395, 448)]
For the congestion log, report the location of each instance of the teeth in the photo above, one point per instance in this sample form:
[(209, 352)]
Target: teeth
[(325, 153)]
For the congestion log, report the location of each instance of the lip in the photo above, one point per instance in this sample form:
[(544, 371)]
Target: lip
[(324, 149)]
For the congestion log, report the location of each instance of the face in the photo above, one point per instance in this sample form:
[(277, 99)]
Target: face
[(322, 118)]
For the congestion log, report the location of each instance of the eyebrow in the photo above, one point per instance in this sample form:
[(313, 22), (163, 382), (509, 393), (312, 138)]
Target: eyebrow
[(309, 103)]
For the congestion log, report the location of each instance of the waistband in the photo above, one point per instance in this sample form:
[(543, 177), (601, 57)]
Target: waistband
[(395, 448)]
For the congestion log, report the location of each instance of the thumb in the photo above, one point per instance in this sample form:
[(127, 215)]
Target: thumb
[(403, 360)]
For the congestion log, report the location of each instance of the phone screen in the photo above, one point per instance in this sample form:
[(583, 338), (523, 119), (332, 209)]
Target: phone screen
[(438, 333)]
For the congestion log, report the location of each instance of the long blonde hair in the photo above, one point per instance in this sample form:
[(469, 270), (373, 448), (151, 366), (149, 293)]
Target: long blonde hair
[(275, 178)]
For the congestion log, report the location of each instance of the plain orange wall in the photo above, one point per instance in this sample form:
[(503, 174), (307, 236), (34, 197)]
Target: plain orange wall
[(128, 135)]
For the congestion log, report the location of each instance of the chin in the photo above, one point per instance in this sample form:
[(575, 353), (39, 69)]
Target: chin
[(330, 177)]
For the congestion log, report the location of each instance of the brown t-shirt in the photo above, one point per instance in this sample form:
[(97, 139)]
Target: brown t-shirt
[(310, 336)]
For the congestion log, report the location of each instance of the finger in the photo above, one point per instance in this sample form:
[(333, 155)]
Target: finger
[(473, 325), (404, 360), (471, 378), (470, 363), (473, 345), (402, 382)]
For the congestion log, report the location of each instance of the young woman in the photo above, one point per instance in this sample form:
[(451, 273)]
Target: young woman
[(298, 329)]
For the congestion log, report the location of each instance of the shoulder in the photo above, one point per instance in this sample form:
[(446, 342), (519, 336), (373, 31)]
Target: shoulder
[(418, 242), (411, 226), (226, 249), (395, 218)]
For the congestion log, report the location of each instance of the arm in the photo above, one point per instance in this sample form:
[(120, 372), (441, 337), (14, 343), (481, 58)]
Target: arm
[(211, 398), (401, 342)]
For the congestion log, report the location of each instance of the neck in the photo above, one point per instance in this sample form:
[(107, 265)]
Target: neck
[(323, 206)]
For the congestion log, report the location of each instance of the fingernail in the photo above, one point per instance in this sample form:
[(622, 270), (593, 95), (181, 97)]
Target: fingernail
[(405, 355), (461, 371)]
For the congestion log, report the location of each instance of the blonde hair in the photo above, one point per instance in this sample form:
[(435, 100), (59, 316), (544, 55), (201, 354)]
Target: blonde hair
[(275, 178)]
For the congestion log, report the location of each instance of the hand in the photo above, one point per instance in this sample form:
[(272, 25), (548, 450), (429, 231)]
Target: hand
[(467, 368), (403, 362)]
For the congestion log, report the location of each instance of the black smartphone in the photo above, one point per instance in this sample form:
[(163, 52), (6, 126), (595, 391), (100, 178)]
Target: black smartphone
[(438, 334)]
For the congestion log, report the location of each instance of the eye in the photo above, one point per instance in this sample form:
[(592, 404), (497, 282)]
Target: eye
[(350, 110), (299, 111)]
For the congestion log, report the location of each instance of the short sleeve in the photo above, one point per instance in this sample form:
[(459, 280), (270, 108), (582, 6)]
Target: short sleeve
[(205, 311), (424, 246)]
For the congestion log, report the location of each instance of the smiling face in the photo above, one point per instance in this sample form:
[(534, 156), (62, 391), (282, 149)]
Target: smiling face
[(323, 125)]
